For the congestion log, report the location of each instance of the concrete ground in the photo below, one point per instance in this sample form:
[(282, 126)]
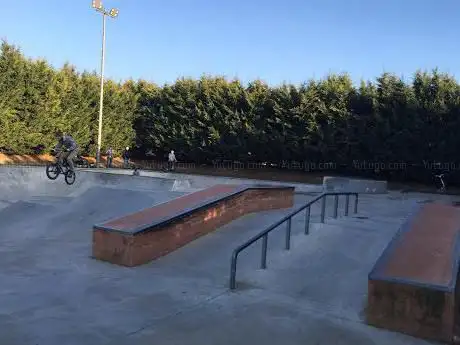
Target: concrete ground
[(53, 293)]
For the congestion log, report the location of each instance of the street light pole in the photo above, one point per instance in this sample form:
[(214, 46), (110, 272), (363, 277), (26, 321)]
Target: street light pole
[(101, 98), (97, 4)]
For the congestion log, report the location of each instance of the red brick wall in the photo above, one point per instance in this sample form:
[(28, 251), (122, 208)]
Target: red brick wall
[(424, 253), (129, 250), (420, 312)]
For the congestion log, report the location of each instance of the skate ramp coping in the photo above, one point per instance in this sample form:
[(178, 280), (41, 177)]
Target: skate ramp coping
[(143, 236), (344, 184)]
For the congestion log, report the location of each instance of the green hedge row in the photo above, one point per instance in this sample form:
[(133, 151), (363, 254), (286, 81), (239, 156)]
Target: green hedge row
[(387, 128)]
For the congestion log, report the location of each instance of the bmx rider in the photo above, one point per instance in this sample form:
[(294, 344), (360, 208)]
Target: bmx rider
[(70, 151)]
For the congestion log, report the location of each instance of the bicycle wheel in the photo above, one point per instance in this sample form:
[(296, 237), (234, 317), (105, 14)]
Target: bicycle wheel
[(52, 171), (70, 177)]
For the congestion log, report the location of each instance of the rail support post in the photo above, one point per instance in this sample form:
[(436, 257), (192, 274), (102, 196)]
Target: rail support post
[(288, 234), (307, 220), (323, 208), (233, 271), (336, 205), (347, 204), (263, 259)]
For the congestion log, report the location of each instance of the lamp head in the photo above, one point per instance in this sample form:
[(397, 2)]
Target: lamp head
[(113, 12), (97, 4)]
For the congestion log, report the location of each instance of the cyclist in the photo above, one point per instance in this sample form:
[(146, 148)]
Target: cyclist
[(70, 149)]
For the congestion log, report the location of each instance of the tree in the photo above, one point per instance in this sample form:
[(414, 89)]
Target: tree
[(212, 118)]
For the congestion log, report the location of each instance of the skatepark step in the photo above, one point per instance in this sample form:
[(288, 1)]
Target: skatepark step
[(412, 287), (143, 236)]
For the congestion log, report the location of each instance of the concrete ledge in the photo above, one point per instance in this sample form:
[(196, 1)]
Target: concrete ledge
[(343, 184), (413, 310), (413, 286), (122, 242)]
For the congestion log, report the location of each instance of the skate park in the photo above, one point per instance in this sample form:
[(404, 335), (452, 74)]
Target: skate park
[(54, 292)]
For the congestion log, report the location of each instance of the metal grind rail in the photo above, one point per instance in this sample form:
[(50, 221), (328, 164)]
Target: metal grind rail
[(264, 234)]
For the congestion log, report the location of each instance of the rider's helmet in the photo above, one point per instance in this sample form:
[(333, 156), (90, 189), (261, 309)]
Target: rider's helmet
[(127, 148), (58, 133)]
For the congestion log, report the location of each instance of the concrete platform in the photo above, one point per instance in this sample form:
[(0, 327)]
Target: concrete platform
[(138, 238), (413, 285), (343, 184), (312, 294)]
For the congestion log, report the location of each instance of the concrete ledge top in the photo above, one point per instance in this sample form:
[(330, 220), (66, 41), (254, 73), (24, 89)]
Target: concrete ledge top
[(150, 219), (366, 186), (425, 251), (348, 179)]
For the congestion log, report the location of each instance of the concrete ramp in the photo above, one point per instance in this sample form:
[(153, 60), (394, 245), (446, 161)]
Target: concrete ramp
[(127, 181), (99, 203), (21, 211), (23, 183), (18, 222), (19, 183), (4, 203), (198, 182)]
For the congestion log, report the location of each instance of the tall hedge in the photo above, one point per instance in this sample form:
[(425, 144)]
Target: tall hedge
[(384, 122), (36, 99)]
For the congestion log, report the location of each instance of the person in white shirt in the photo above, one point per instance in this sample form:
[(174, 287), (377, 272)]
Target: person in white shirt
[(125, 156), (172, 160)]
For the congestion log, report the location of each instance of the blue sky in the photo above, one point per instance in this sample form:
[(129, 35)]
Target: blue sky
[(276, 41)]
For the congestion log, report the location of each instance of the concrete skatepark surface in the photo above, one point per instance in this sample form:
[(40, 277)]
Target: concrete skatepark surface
[(52, 292)]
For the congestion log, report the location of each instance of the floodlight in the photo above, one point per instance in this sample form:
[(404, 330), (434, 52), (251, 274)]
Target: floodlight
[(113, 12), (97, 4)]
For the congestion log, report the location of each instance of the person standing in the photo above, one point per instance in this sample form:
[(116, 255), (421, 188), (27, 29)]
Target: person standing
[(172, 160), (126, 155), (109, 154)]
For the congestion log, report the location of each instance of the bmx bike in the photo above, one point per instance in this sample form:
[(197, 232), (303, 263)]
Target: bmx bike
[(53, 170), (441, 185)]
